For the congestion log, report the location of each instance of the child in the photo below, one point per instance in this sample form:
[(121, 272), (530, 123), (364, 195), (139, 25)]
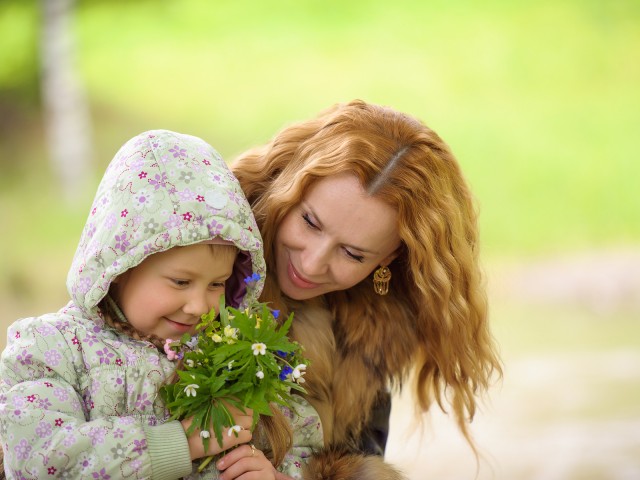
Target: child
[(168, 233)]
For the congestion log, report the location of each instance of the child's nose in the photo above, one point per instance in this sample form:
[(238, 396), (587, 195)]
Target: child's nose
[(197, 303)]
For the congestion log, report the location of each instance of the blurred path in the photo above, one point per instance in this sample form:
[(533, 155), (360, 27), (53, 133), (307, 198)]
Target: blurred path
[(561, 413), (549, 421)]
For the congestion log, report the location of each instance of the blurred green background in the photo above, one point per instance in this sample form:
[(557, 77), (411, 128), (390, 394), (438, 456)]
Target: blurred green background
[(540, 102)]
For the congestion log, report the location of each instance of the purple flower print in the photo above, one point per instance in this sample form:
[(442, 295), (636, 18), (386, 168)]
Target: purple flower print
[(136, 464), (97, 435), (52, 357), (121, 242), (140, 446), (143, 198), (132, 356), (69, 440), (158, 181), (23, 450), (84, 285), (105, 356), (46, 330), (137, 163), (214, 228), (174, 221), (90, 339), (143, 401), (118, 433), (86, 461), (187, 195), (102, 474), (91, 230), (44, 429), (43, 403), (178, 152), (110, 221), (24, 358)]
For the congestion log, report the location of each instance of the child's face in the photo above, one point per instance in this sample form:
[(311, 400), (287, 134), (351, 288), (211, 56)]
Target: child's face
[(168, 292)]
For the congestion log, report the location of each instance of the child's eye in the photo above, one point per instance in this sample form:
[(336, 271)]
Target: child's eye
[(353, 256), (216, 285), (307, 220), (180, 283)]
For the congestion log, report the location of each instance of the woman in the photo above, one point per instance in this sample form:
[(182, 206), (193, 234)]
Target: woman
[(370, 236)]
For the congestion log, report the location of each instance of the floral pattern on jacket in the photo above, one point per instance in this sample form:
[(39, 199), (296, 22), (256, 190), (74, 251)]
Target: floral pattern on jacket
[(79, 399)]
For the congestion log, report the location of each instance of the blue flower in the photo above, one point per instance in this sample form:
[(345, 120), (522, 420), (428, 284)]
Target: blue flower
[(275, 313), (281, 354), (285, 372), (252, 279)]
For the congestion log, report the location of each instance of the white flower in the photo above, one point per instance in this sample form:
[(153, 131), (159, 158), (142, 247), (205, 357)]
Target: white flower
[(235, 429), (230, 364), (230, 332), (216, 338), (260, 374), (259, 348), (190, 390), (299, 371), (189, 362), (205, 434)]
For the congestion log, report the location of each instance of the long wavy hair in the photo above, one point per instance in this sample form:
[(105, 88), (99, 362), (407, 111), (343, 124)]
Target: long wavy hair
[(432, 327)]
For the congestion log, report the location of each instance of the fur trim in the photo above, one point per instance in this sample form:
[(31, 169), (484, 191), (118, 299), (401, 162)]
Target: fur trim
[(334, 464)]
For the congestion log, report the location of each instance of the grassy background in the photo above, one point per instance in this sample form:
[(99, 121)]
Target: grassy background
[(539, 101)]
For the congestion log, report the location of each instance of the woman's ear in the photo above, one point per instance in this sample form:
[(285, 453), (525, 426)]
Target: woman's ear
[(391, 257)]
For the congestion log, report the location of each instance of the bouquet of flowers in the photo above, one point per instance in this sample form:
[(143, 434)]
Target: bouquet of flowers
[(243, 358)]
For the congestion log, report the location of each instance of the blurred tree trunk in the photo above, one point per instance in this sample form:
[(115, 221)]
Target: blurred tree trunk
[(66, 112)]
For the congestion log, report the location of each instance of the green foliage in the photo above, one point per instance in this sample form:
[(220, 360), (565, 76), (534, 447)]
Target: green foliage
[(243, 359)]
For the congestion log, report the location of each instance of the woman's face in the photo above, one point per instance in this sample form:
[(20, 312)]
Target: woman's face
[(334, 238)]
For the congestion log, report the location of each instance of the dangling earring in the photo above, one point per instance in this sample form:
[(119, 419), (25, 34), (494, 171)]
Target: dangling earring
[(381, 279)]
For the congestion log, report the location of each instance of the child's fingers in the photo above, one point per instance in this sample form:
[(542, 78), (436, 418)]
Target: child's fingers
[(245, 461)]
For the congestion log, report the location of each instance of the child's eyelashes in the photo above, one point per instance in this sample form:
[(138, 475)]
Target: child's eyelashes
[(180, 283)]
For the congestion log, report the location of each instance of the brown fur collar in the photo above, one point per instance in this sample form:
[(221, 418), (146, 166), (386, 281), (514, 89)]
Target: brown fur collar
[(334, 464)]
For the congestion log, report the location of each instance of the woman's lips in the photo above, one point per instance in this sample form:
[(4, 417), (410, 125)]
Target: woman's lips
[(297, 280)]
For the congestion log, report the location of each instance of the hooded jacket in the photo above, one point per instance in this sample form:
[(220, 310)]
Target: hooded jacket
[(78, 399)]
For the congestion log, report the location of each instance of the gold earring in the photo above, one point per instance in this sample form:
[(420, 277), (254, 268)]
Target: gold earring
[(381, 279)]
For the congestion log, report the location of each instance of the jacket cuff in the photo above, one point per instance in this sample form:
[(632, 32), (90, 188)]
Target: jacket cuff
[(169, 451)]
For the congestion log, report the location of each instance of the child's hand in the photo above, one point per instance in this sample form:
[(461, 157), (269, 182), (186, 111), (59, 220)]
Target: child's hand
[(248, 460), (229, 438)]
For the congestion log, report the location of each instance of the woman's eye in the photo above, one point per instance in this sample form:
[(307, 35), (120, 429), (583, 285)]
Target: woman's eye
[(357, 258), (308, 221)]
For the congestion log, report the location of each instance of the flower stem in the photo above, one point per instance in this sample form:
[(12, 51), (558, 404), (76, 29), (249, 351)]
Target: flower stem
[(204, 463)]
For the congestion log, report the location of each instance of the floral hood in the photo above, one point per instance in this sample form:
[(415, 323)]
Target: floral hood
[(164, 189)]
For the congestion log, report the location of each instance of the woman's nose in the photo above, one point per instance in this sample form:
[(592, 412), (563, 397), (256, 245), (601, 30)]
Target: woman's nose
[(314, 260)]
